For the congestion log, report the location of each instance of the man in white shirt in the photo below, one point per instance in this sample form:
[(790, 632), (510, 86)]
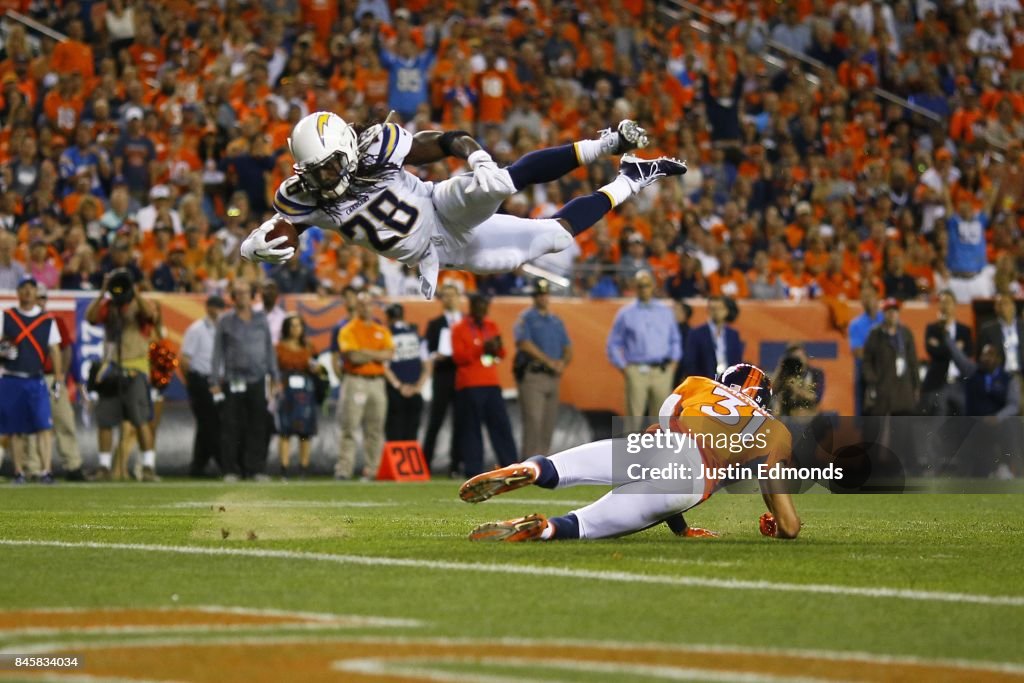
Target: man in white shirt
[(159, 210), (438, 340), (197, 365)]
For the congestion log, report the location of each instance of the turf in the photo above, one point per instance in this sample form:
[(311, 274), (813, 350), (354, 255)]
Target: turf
[(970, 544)]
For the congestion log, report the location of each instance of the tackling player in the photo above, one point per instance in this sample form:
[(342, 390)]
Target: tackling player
[(353, 182), (733, 405)]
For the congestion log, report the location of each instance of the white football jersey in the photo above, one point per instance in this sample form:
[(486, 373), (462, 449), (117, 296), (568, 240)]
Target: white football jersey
[(395, 219)]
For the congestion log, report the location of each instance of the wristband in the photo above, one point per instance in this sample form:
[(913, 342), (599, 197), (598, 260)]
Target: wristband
[(448, 138)]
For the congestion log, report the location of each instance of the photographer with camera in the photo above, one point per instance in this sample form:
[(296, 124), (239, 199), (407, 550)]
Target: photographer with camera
[(476, 350), (27, 334), (798, 386), (122, 378)]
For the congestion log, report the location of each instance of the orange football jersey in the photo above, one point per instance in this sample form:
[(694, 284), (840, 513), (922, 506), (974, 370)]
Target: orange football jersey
[(729, 428)]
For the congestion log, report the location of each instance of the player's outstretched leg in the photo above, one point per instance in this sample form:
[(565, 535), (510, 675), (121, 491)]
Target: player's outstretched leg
[(546, 165), (634, 175), (587, 464), (617, 513)]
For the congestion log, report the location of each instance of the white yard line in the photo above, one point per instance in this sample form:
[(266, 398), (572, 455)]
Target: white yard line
[(551, 572)]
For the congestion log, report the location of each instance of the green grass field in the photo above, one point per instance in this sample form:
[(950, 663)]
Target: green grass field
[(913, 581)]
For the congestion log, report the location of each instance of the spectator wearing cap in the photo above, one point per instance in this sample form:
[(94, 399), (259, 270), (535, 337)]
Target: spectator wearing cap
[(11, 271), (119, 257), (439, 347), (644, 345), (714, 346), (365, 346), (159, 212), (196, 362), (28, 335), (476, 351), (133, 153), (891, 377), (407, 371), (543, 352), (243, 361), (60, 405)]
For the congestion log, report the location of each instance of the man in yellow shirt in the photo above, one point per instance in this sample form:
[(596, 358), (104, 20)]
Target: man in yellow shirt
[(365, 346)]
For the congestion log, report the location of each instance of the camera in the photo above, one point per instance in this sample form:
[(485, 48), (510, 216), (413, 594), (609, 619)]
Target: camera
[(791, 367), (121, 286)]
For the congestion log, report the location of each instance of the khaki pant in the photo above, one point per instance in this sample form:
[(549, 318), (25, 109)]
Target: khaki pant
[(538, 399), (647, 388), (364, 405), (64, 434)]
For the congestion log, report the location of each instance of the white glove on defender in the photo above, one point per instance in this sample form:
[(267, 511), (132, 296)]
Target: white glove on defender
[(487, 177), (257, 248)]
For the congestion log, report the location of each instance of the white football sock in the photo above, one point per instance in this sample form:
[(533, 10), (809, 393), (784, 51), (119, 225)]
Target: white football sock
[(617, 190), (589, 151), (106, 460), (149, 459)]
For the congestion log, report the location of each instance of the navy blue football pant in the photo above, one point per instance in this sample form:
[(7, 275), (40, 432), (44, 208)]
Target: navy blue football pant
[(474, 408)]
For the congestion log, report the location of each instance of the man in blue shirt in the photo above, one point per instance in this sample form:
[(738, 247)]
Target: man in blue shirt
[(407, 86), (406, 373), (966, 258), (644, 345), (857, 335), (543, 351)]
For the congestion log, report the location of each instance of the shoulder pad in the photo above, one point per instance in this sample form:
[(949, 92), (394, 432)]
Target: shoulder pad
[(291, 199)]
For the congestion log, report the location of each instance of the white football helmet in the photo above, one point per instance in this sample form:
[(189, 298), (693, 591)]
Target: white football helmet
[(325, 150)]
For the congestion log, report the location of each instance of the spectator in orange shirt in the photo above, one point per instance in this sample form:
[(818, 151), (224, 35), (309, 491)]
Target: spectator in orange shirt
[(495, 89), (365, 346), (663, 262), (63, 105), (73, 54), (476, 350), (797, 231), (798, 282), (728, 280)]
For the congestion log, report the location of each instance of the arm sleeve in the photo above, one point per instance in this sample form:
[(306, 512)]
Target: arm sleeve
[(675, 351), (615, 347), (292, 202), (463, 351), (216, 367), (391, 146), (520, 332), (346, 340), (1012, 406), (55, 337), (188, 343)]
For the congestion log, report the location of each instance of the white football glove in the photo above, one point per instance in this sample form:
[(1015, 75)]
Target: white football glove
[(487, 177), (257, 248)]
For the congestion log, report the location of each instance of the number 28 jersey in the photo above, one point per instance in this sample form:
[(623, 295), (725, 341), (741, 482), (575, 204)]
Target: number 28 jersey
[(395, 219), (729, 427)]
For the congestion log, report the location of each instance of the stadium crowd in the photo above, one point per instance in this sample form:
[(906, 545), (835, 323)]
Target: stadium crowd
[(152, 136)]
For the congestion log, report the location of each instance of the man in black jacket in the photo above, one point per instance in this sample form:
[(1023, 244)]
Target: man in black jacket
[(941, 392), (1007, 333), (439, 348)]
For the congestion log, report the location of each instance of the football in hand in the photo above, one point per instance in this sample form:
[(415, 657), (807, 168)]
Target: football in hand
[(284, 228)]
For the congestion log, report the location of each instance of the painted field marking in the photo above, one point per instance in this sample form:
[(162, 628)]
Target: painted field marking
[(552, 572), (585, 653), (393, 667)]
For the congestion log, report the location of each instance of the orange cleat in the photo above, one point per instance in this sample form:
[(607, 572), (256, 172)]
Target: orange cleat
[(527, 528), (493, 483)]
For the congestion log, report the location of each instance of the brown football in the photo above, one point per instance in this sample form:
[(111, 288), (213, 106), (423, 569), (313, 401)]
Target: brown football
[(284, 228)]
